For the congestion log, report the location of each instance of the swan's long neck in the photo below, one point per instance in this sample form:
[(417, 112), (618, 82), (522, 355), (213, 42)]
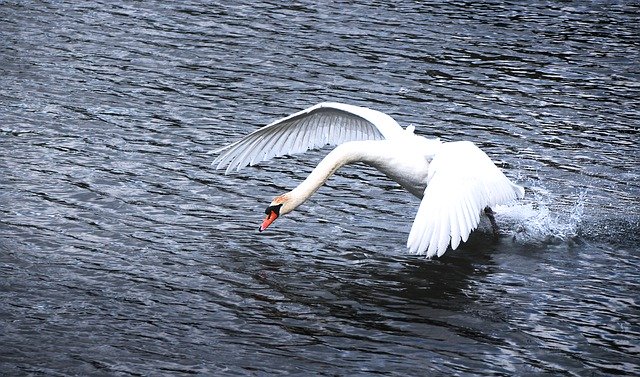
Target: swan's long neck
[(343, 154)]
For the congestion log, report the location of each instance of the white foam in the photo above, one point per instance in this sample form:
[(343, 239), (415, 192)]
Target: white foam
[(540, 217)]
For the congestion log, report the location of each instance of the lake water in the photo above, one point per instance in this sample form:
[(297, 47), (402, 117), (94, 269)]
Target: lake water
[(122, 252)]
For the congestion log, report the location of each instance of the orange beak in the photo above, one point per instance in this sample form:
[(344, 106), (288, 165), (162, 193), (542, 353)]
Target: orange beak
[(271, 217)]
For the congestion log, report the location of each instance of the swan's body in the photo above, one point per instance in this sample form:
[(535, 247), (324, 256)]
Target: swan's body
[(456, 181)]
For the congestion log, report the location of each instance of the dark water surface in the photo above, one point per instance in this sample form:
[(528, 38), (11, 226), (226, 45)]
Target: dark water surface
[(122, 252)]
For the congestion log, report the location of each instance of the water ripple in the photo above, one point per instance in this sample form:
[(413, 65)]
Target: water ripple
[(123, 252)]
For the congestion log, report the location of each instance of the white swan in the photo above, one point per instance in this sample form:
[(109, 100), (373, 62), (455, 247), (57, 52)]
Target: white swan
[(456, 180)]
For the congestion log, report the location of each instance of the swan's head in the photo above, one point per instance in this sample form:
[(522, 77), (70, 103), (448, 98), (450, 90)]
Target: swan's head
[(278, 207)]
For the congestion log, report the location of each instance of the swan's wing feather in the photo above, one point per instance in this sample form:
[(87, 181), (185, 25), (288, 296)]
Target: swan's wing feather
[(462, 182), (326, 123)]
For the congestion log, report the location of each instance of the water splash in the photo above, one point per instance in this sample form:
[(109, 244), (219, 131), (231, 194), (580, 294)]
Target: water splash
[(540, 217)]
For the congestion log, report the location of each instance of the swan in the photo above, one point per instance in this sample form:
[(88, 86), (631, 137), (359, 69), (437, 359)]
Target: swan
[(456, 181)]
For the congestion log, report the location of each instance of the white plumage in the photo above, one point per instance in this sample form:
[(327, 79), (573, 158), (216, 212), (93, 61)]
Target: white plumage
[(456, 181)]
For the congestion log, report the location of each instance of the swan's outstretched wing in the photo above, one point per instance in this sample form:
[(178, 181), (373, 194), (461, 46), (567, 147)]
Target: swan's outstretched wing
[(462, 182), (322, 124)]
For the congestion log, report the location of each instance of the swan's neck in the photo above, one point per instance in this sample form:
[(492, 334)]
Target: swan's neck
[(343, 154)]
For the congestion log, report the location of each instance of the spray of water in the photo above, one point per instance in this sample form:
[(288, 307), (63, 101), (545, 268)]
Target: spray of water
[(539, 218)]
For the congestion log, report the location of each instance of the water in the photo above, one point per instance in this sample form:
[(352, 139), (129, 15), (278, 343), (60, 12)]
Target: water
[(123, 253)]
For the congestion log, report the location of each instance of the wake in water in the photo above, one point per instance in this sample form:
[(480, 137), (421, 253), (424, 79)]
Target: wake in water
[(537, 219)]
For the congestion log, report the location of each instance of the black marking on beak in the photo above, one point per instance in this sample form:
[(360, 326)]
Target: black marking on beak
[(275, 208)]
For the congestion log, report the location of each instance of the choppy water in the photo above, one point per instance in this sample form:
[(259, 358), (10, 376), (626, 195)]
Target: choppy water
[(123, 253)]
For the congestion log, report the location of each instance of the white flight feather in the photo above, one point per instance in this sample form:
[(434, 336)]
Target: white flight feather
[(462, 182), (325, 123)]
